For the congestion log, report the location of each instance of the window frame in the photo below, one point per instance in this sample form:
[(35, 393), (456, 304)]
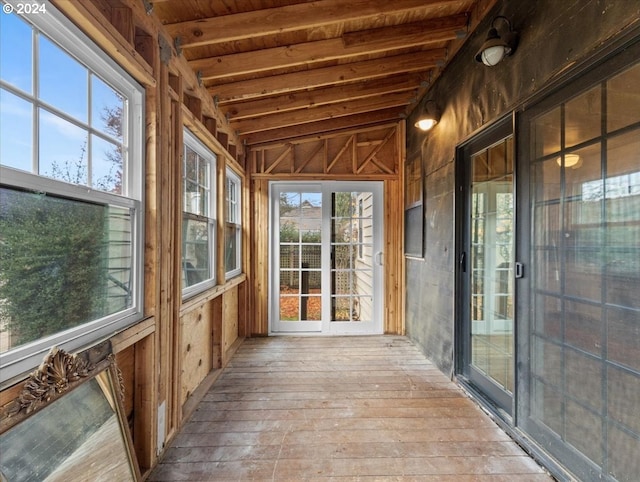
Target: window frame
[(233, 207), (62, 32), (192, 142)]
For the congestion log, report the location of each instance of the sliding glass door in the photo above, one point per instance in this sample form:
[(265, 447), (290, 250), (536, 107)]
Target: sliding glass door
[(327, 251)]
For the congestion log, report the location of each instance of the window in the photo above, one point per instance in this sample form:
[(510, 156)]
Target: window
[(233, 226), (198, 217), (71, 191)]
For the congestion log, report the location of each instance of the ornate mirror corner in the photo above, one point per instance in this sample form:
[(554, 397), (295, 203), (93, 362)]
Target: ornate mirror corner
[(68, 422)]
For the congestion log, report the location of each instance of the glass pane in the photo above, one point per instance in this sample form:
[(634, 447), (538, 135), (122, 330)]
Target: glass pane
[(545, 133), (289, 205), (341, 308), (583, 117), (63, 263), (106, 165), (362, 282), (289, 281), (583, 326), (343, 256), (342, 282), (231, 242), (195, 252), (624, 463), (289, 256), (63, 149), (622, 214), (289, 307), (584, 430), (107, 109), (623, 104), (548, 317), (623, 392), (363, 308), (314, 307), (16, 132), (623, 342), (491, 261), (343, 204), (311, 256), (311, 205), (63, 80), (549, 406), (15, 52)]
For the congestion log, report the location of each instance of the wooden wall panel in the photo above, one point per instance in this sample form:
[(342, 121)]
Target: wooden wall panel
[(229, 321), (197, 349), (259, 323)]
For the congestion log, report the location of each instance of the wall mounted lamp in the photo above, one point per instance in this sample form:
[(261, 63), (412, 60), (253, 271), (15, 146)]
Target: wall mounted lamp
[(497, 47), (429, 117)]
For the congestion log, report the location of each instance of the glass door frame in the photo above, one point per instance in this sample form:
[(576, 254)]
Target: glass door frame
[(327, 326), (502, 403)]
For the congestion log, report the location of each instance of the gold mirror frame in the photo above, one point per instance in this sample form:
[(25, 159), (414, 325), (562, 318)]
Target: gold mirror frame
[(68, 423)]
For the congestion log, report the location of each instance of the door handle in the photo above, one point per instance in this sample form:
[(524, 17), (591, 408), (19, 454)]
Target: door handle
[(378, 258), (463, 262), (519, 270)]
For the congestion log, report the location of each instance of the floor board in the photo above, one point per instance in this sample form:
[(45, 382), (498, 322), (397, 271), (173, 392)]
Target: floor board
[(343, 409)]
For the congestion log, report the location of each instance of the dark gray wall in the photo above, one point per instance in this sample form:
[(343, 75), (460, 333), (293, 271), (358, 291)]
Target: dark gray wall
[(555, 35)]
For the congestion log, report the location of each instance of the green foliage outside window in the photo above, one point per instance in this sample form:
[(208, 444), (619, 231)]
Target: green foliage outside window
[(52, 257)]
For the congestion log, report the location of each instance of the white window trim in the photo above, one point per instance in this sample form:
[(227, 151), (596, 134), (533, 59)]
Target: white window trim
[(16, 362), (235, 179), (191, 141)]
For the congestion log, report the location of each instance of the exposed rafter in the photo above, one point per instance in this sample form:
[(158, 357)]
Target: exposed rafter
[(279, 69), (272, 21)]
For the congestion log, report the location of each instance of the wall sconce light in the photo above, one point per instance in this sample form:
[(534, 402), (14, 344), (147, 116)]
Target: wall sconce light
[(497, 47), (429, 117), (570, 160)]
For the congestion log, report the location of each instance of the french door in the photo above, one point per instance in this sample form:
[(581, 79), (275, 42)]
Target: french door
[(487, 267), (326, 258)]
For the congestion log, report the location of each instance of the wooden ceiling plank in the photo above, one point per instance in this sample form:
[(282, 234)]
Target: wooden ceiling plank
[(324, 96), (314, 128), (296, 81), (271, 21), (415, 33), (314, 114), (351, 44)]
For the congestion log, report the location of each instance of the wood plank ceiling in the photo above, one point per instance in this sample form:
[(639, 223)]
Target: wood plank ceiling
[(280, 69)]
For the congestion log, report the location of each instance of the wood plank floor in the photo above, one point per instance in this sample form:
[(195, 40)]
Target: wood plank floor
[(340, 408)]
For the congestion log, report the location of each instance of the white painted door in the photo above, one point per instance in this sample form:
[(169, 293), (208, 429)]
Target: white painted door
[(326, 258)]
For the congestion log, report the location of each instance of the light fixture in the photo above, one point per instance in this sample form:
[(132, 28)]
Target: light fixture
[(429, 117), (570, 160), (497, 47)]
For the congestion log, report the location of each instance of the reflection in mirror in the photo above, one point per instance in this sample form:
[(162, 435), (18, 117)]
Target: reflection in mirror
[(67, 425)]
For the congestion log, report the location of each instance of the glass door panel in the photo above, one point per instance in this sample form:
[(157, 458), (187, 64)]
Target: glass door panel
[(583, 339), (299, 224), (352, 260), (491, 261)]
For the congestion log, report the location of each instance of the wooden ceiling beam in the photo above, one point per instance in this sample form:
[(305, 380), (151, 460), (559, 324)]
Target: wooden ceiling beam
[(271, 21), (349, 45), (323, 127), (324, 112), (339, 74), (324, 96)]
